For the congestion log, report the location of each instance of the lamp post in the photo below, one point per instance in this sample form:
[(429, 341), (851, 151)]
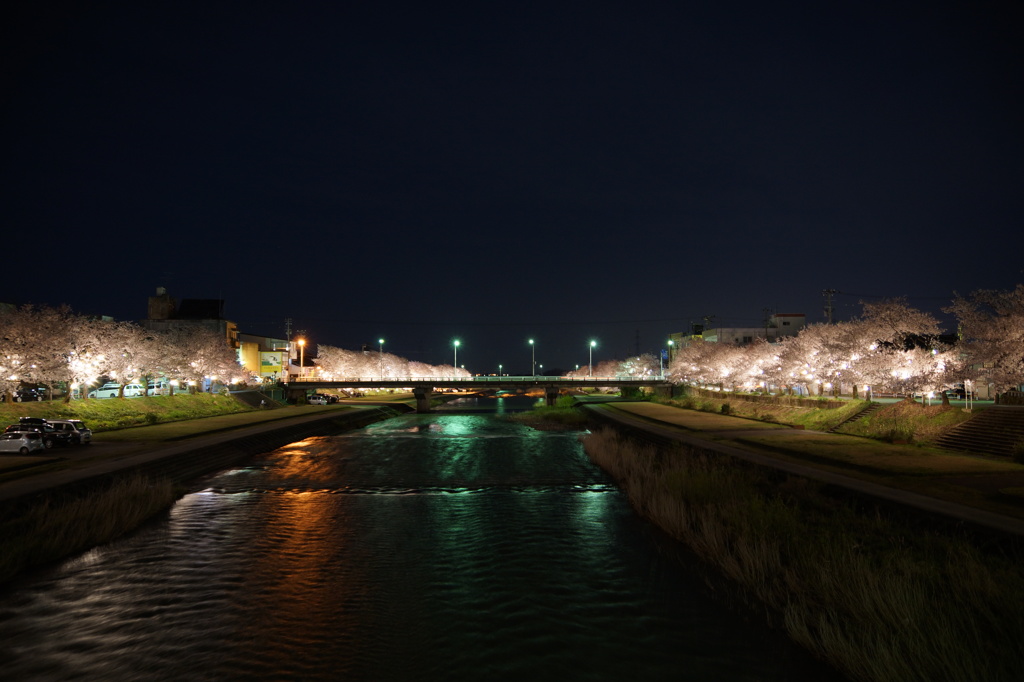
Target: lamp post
[(381, 341), (591, 366), (499, 370), (302, 357), (456, 363), (533, 359)]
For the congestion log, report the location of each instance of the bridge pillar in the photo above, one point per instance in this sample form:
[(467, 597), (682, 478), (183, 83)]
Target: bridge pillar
[(629, 392), (550, 395), (663, 391), (422, 394)]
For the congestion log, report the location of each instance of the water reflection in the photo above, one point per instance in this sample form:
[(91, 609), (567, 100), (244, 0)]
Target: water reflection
[(429, 547)]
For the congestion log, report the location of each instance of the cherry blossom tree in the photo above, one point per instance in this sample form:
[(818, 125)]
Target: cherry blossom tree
[(193, 354), (127, 349), (992, 336)]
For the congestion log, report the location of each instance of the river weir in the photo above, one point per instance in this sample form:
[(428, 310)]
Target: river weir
[(448, 546)]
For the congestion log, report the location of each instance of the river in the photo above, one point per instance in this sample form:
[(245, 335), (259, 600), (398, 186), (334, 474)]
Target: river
[(450, 546)]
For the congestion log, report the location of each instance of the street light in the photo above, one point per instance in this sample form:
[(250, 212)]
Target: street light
[(499, 370), (381, 341), (533, 358), (456, 363), (591, 367), (302, 356), (662, 359)]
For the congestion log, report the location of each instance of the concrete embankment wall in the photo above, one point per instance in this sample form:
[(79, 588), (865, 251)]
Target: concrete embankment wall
[(940, 514)]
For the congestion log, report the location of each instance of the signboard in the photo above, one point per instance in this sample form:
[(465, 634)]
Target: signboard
[(271, 363)]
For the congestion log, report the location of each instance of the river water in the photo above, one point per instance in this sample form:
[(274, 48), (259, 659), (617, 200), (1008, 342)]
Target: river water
[(448, 546)]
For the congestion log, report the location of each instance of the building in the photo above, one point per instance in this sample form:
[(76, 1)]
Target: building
[(165, 313), (264, 356), (777, 326)]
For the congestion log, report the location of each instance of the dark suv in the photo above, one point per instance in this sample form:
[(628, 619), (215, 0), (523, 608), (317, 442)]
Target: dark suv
[(51, 436), (78, 432)]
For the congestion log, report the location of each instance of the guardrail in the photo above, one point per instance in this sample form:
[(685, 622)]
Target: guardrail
[(473, 380)]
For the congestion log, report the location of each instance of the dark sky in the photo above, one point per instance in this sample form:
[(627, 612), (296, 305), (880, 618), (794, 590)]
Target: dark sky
[(499, 171)]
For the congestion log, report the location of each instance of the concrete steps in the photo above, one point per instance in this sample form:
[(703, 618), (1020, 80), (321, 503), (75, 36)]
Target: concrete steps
[(993, 431), (872, 407)]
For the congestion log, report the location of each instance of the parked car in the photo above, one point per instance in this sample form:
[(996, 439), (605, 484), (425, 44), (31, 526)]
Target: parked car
[(105, 391), (113, 390), (318, 399), (78, 432), (51, 437), (24, 395), (22, 442), (134, 390)]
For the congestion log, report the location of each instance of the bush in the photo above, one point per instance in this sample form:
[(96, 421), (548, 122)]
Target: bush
[(1018, 452)]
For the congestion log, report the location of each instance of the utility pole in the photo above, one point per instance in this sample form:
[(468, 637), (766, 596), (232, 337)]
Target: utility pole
[(828, 294), (767, 319)]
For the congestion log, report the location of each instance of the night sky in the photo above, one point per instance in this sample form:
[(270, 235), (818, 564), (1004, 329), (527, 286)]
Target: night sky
[(496, 172)]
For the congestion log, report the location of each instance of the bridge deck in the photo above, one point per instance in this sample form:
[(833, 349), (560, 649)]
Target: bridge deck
[(472, 383)]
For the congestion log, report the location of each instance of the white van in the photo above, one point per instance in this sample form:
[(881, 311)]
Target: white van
[(105, 391), (162, 386), (134, 390), (112, 391)]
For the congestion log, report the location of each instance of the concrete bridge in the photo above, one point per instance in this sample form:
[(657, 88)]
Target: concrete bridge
[(423, 387)]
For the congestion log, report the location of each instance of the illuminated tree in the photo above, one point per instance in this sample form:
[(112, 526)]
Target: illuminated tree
[(645, 365), (992, 336), (128, 351), (192, 354)]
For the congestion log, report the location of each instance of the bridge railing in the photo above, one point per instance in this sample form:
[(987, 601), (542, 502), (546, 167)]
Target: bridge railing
[(475, 380)]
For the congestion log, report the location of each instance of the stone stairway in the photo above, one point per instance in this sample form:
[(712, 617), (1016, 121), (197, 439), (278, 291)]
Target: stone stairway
[(860, 415), (993, 431)]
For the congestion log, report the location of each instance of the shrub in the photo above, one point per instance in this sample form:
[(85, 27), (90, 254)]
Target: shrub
[(1018, 452)]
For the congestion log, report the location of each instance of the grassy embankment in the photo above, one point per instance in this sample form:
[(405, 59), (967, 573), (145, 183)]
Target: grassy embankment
[(115, 413), (879, 598), (907, 421), (560, 416)]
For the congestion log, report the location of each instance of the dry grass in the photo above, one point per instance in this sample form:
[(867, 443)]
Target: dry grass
[(877, 456), (879, 600), (60, 525)]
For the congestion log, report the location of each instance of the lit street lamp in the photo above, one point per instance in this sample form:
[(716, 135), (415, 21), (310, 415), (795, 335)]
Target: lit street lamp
[(533, 358), (499, 370), (381, 341), (591, 367), (456, 363), (302, 357)]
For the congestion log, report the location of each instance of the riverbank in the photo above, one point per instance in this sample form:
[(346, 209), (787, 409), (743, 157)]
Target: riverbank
[(883, 583), (128, 476)]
